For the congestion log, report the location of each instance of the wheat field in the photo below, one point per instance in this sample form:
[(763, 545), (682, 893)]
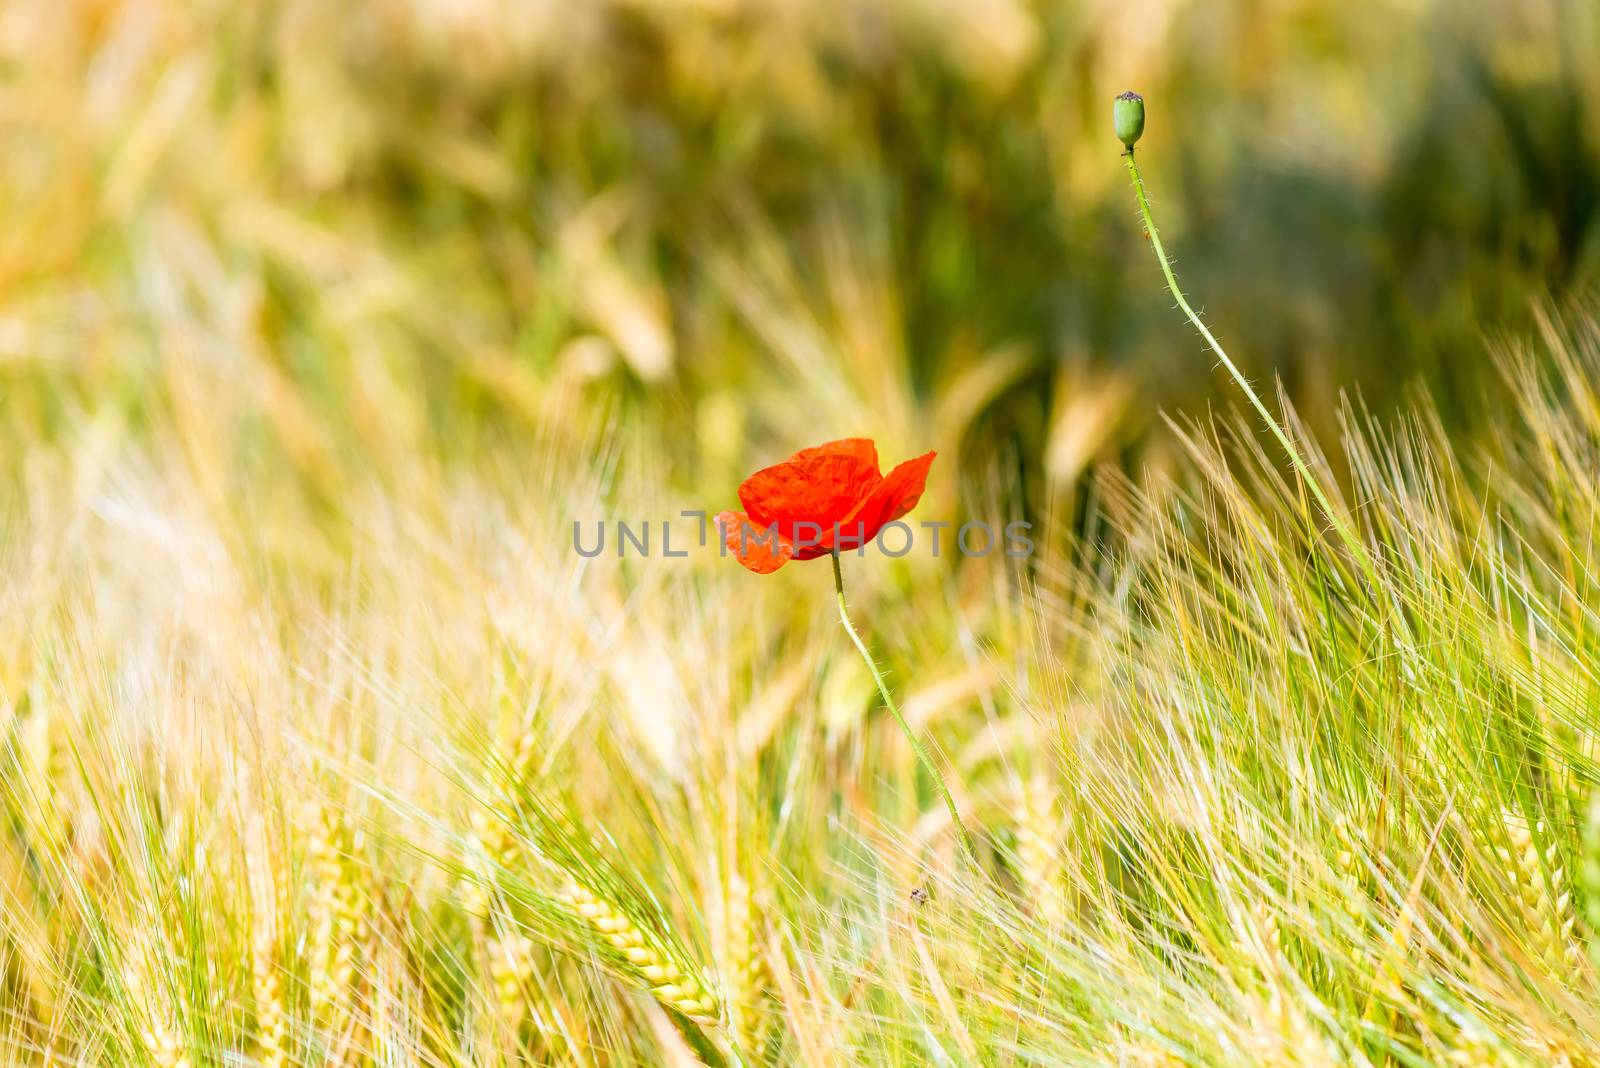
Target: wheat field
[(321, 745)]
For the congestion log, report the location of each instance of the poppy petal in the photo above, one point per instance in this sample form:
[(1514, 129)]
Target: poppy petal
[(892, 498), (821, 485), (863, 449), (758, 548)]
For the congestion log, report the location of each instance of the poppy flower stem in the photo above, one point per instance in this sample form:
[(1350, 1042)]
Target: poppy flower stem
[(917, 747), (1300, 465)]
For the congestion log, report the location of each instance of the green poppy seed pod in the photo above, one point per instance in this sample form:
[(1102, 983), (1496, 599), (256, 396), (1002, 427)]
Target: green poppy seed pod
[(1127, 113)]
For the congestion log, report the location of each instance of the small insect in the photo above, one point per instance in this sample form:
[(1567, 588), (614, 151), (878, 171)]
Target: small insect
[(919, 896)]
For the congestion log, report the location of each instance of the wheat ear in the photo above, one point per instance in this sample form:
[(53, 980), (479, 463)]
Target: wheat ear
[(1546, 903), (335, 918), (670, 984), (155, 1015), (747, 980), (265, 985), (508, 955), (1589, 877), (1038, 824)]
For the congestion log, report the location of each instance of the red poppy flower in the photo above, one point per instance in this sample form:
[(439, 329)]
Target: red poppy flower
[(797, 509)]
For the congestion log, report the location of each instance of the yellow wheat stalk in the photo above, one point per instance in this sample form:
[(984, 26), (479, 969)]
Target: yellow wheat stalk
[(1038, 826), (265, 982), (156, 1017), (335, 918), (510, 965), (508, 955), (747, 981), (671, 985), (1542, 893)]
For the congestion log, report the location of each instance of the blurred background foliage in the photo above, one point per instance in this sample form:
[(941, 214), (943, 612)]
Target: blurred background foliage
[(372, 235)]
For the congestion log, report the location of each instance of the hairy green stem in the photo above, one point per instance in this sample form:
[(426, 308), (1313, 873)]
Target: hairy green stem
[(923, 757), (1278, 431)]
